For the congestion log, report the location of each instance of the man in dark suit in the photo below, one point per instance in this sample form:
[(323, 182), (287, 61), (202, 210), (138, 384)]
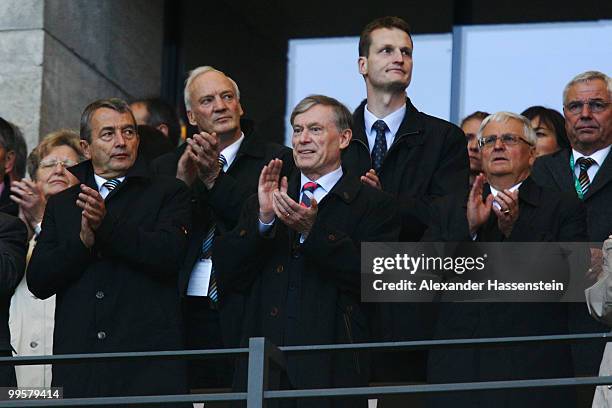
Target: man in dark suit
[(218, 191), (13, 247), (409, 154), (295, 252), (110, 249), (585, 170), (510, 207)]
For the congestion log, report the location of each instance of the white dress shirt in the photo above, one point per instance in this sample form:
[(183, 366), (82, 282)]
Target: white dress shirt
[(231, 151), (599, 157)]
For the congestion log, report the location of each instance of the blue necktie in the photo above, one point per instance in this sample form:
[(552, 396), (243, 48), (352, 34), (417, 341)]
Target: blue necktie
[(111, 184), (380, 145), (213, 293), (222, 161)]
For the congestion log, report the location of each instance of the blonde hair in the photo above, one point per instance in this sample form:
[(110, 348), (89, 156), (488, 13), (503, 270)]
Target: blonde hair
[(61, 137)]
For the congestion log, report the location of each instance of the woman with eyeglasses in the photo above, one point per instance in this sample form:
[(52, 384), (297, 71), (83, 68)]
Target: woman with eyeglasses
[(31, 320)]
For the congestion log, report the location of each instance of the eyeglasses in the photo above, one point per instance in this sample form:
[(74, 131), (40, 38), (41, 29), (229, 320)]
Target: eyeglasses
[(595, 106), (51, 163), (508, 139)]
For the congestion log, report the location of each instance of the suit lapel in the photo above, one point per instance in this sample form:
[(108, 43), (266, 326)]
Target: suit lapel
[(602, 178), (561, 171)]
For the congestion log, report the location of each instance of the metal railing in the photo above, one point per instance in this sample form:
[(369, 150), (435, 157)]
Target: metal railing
[(262, 354)]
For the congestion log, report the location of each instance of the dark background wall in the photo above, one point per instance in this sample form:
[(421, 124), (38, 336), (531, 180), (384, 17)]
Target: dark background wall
[(248, 40)]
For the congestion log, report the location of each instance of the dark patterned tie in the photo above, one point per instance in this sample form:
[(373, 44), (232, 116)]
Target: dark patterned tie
[(111, 184), (380, 145), (213, 292), (222, 161), (583, 177), (308, 193)]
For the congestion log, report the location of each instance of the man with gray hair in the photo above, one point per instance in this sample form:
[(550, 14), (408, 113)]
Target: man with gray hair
[(110, 249), (296, 253), (221, 165), (585, 171), (505, 205)]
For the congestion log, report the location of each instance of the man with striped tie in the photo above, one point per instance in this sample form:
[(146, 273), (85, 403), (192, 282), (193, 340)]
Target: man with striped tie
[(295, 252), (221, 165), (110, 249), (586, 171)]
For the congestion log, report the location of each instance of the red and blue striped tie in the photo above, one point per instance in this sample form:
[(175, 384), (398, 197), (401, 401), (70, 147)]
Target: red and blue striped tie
[(308, 193)]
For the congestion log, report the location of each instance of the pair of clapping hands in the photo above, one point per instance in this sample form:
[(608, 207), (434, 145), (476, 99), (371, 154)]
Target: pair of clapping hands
[(274, 202), (200, 159), (31, 200), (32, 203)]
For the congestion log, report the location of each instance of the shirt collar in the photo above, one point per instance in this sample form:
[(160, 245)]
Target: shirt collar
[(326, 182), (101, 180), (231, 151), (393, 120), (494, 191), (599, 156)]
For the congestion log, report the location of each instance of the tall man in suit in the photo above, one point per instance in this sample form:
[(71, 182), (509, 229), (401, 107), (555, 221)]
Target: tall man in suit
[(295, 252), (585, 170), (505, 205), (409, 154), (13, 247), (221, 165), (110, 249)]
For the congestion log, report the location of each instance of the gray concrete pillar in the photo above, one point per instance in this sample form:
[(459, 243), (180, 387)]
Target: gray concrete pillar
[(56, 56)]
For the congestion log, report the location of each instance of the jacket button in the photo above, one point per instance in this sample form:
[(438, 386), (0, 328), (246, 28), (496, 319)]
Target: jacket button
[(274, 311), (280, 269), (331, 237), (100, 294), (242, 233), (33, 344), (101, 335)]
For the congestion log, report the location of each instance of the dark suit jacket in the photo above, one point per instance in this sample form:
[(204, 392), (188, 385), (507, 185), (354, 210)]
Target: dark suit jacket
[(7, 205), (427, 159), (545, 216), (223, 204), (13, 248), (308, 293), (553, 172), (121, 294)]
